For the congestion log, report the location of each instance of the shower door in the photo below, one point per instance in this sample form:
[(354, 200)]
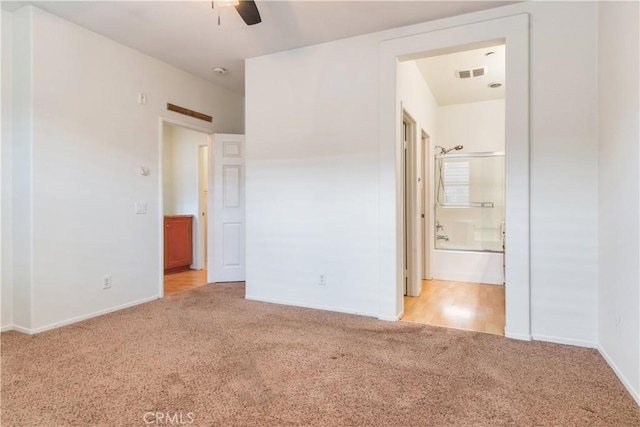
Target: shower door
[(470, 196)]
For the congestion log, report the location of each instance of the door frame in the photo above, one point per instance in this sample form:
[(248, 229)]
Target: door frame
[(411, 249), (425, 240), (513, 31), (202, 242), (160, 224)]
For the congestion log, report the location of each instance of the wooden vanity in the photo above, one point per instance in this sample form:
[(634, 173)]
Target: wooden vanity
[(178, 243)]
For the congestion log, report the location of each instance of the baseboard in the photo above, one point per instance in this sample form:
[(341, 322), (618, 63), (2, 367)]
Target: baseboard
[(81, 318), (392, 318), (634, 393), (456, 276), (566, 341), (516, 336), (20, 329), (313, 306), (6, 328)]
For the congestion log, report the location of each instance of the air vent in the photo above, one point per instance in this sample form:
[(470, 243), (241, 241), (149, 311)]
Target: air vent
[(478, 72), (475, 72)]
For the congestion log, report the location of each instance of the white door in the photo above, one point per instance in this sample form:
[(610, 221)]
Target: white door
[(226, 243)]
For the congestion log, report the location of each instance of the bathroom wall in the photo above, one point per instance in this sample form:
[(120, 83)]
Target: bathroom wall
[(479, 127), (418, 101), (180, 179)]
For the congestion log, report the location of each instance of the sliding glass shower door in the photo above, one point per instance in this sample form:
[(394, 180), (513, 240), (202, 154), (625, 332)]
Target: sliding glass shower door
[(470, 201)]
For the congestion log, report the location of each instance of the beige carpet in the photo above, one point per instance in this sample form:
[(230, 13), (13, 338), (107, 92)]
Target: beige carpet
[(231, 362)]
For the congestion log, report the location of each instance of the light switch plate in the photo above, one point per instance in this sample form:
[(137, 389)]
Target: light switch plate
[(141, 207)]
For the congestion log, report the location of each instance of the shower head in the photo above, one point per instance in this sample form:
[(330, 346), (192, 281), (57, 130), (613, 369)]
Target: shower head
[(457, 147)]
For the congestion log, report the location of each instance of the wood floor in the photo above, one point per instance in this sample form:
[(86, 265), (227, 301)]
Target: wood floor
[(184, 281), (469, 306)]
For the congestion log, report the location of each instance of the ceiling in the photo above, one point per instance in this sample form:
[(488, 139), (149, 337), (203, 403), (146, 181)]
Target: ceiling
[(447, 88), (186, 35)]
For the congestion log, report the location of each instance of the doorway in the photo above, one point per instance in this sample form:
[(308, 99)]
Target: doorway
[(468, 182), (185, 181), (513, 32)]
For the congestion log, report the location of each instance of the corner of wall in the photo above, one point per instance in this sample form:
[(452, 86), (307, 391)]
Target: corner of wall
[(6, 241), (21, 159), (618, 298)]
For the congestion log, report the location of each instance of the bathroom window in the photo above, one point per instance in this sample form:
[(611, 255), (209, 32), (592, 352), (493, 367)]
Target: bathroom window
[(456, 182)]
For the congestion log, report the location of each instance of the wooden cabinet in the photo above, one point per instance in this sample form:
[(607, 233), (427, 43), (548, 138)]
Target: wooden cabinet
[(178, 243)]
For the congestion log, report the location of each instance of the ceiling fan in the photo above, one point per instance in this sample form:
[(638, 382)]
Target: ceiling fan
[(247, 10)]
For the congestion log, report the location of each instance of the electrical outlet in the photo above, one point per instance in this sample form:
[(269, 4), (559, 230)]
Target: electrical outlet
[(106, 282), (618, 322), (323, 280)]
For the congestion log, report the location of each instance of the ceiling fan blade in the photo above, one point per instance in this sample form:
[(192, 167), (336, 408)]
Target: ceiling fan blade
[(249, 12)]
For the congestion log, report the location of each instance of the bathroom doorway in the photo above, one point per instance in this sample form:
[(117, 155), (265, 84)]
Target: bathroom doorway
[(461, 199)]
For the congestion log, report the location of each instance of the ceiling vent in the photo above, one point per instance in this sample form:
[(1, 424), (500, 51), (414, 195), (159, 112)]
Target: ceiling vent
[(475, 72)]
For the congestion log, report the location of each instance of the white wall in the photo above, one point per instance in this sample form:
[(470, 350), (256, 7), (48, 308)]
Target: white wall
[(312, 176), (6, 294), (619, 190), (418, 101), (417, 98), (478, 126), (180, 179), (89, 139), (181, 197), (564, 173), (312, 171), (21, 168)]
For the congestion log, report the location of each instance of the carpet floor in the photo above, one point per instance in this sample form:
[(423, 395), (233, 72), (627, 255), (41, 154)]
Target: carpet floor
[(211, 357)]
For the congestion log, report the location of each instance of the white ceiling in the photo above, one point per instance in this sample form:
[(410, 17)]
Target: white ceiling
[(186, 35), (440, 74)]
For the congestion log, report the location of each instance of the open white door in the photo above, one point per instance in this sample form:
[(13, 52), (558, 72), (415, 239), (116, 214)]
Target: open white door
[(226, 244)]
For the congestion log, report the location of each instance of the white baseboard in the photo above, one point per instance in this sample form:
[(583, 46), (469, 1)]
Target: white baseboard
[(566, 341), (625, 382), (516, 336), (81, 318), (6, 328), (392, 318), (462, 276), (20, 329), (304, 305)]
